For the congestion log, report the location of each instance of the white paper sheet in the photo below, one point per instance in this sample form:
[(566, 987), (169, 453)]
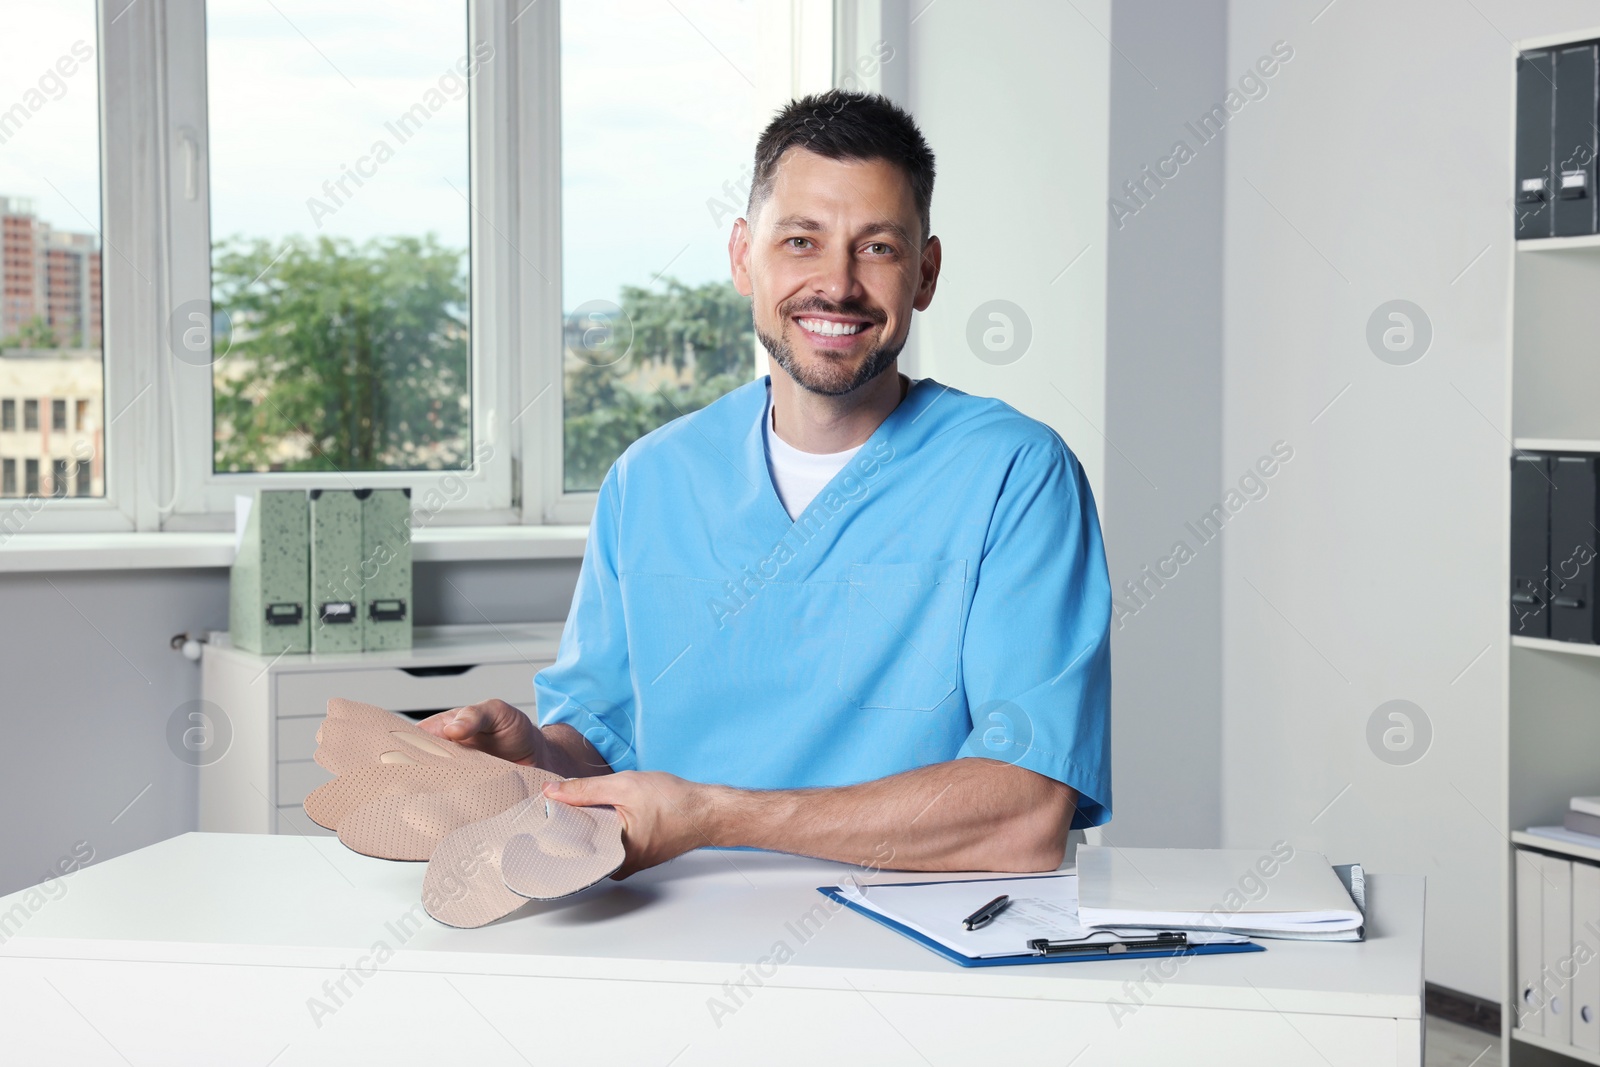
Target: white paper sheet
[(1044, 906)]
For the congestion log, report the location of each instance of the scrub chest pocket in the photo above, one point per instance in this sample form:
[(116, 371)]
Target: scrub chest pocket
[(902, 638)]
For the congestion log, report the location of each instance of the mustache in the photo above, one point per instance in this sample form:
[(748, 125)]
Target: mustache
[(855, 311)]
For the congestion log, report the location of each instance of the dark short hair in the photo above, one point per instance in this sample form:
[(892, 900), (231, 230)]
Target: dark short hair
[(844, 125)]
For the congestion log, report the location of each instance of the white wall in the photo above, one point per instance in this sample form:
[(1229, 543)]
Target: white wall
[(1031, 114), (1377, 168), (1013, 100)]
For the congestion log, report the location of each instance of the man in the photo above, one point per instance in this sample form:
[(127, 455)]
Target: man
[(837, 612)]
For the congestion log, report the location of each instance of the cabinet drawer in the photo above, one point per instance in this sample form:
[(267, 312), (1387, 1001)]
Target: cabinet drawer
[(296, 780), (306, 693), (297, 737)]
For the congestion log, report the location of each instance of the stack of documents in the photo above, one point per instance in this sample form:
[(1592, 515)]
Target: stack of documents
[(1581, 826), (1279, 893), (1041, 907), (1583, 816)]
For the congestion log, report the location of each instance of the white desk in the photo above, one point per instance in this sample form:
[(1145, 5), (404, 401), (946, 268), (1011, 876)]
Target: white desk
[(207, 949)]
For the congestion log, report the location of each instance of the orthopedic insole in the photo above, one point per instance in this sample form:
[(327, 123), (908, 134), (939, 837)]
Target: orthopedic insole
[(537, 849), (491, 838)]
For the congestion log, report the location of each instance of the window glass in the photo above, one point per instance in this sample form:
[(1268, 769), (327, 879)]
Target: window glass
[(658, 128), (50, 231), (340, 234)]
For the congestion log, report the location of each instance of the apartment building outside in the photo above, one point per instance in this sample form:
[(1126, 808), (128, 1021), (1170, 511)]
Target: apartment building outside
[(51, 277), (52, 422), (52, 426)]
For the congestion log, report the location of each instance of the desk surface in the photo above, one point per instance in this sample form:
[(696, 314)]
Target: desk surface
[(299, 901)]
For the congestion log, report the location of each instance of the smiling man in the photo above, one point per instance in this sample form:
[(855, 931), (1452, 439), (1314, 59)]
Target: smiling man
[(838, 612)]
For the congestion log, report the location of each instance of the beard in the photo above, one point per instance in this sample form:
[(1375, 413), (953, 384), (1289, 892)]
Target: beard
[(828, 378)]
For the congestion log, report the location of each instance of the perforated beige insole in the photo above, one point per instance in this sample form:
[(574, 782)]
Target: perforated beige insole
[(402, 811), (403, 794), (538, 849), (572, 850)]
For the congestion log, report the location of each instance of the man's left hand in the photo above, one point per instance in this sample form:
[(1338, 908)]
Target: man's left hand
[(663, 816)]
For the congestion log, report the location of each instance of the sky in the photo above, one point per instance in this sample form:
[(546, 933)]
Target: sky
[(52, 157), (658, 114)]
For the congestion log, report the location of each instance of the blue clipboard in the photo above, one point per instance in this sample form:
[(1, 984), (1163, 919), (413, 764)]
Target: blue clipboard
[(833, 892)]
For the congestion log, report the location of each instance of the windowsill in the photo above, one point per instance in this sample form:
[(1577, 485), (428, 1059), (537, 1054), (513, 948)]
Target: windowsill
[(189, 550)]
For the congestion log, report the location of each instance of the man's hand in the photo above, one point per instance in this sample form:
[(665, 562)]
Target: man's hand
[(492, 726), (501, 729), (663, 816)]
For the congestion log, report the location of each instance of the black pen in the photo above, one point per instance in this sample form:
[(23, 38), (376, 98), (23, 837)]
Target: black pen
[(986, 914), (1042, 946)]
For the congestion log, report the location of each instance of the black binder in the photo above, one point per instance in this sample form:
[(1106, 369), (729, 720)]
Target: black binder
[(1573, 538), (1574, 141), (1536, 94), (1530, 545)]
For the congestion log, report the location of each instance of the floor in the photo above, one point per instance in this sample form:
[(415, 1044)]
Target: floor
[(1453, 1045)]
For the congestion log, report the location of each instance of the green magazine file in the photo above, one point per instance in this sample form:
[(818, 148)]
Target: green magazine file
[(337, 593), (270, 579), (386, 568)]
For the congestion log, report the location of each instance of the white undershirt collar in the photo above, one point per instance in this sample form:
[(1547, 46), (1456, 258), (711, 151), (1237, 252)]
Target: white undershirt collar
[(799, 476)]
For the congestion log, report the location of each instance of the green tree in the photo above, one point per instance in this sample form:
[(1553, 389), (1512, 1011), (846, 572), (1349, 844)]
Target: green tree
[(703, 334), (359, 350), (35, 333)]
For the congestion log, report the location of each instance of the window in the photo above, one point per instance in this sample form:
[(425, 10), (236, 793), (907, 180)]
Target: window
[(329, 234), (340, 266), (8, 477), (50, 215), (653, 327), (340, 235)]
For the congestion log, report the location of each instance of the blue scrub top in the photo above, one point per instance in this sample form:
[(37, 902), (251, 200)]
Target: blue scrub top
[(944, 596)]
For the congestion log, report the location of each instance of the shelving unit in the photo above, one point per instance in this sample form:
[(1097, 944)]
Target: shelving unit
[(1554, 444), (1550, 844), (1558, 244), (1551, 1052), (1552, 687), (1565, 648)]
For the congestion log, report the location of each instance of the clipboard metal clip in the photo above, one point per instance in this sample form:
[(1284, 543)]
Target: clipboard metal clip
[(1042, 946)]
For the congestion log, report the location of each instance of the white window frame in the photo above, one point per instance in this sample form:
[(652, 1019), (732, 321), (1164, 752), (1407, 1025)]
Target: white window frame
[(127, 279), (795, 45), (202, 497), (156, 256)]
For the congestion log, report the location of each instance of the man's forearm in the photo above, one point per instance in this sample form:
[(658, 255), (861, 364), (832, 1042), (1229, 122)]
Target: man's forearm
[(964, 815)]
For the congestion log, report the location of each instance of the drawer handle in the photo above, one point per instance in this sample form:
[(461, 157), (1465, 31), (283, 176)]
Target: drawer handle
[(418, 716), (446, 671)]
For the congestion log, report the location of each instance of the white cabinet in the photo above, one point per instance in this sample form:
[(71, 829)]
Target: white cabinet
[(264, 711)]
